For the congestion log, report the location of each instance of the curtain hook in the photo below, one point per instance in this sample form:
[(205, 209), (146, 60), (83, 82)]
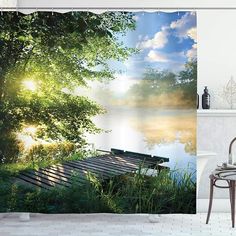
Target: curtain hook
[(178, 12), (158, 11), (143, 12), (72, 11), (52, 12), (1, 12)]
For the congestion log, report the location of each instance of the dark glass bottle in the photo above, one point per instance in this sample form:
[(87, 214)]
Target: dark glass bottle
[(205, 99)]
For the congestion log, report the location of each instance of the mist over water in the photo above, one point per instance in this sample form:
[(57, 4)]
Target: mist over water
[(162, 132)]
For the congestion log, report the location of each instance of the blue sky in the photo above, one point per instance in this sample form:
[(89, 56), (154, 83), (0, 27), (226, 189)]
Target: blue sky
[(165, 40)]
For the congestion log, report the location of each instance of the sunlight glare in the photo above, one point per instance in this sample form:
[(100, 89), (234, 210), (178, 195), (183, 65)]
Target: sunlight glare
[(27, 141), (30, 130), (30, 85)]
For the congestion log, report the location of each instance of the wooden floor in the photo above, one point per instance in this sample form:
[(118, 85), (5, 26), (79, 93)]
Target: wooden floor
[(117, 162)]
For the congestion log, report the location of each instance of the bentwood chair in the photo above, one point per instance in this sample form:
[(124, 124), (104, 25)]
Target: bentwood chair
[(229, 176)]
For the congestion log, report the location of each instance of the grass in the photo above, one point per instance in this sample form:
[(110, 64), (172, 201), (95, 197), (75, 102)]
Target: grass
[(168, 192)]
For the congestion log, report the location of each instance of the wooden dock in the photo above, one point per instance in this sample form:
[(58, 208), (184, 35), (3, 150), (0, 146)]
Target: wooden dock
[(114, 163)]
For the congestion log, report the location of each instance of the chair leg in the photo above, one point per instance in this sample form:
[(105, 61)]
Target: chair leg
[(230, 194), (210, 200), (232, 186)]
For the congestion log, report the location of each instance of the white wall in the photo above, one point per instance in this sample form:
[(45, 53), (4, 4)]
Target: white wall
[(216, 52), (216, 63), (181, 4), (129, 3)]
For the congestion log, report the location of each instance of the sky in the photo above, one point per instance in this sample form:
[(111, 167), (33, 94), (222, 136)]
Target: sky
[(166, 41)]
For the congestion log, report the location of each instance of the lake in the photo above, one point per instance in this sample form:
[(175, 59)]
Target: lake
[(161, 132)]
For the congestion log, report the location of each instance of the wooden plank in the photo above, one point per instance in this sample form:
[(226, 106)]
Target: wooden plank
[(53, 170), (100, 169), (120, 161), (33, 182), (140, 161), (53, 180), (114, 164), (65, 170), (137, 154), (108, 164), (104, 168), (117, 151), (85, 170), (34, 177), (54, 175), (135, 161), (95, 171), (127, 161), (164, 159), (57, 170)]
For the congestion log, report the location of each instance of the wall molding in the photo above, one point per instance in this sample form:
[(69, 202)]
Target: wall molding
[(216, 113)]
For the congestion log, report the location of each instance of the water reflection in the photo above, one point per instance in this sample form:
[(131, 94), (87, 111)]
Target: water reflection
[(167, 133), (166, 129)]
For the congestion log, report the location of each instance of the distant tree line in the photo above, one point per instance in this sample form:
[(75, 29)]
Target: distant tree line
[(164, 86)]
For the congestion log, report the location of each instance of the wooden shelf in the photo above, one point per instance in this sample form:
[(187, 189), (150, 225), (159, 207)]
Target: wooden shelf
[(216, 113)]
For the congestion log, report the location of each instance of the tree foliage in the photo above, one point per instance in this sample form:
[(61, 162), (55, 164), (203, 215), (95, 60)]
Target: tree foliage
[(165, 85), (188, 80), (54, 52)]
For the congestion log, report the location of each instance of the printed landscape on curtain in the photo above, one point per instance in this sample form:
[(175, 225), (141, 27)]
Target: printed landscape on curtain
[(98, 112)]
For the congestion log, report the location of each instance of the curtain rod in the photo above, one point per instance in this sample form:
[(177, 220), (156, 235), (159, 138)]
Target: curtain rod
[(116, 8)]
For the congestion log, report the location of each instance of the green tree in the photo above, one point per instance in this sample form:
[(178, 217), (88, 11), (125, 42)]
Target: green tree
[(154, 82), (188, 80), (167, 89), (42, 58)]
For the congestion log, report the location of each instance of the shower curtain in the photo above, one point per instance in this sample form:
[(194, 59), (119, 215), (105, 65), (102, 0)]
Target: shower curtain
[(98, 112)]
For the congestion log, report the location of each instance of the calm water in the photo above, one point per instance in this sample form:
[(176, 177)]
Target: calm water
[(167, 133)]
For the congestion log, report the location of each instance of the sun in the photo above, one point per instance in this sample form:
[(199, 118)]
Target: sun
[(30, 130), (30, 85), (27, 136)]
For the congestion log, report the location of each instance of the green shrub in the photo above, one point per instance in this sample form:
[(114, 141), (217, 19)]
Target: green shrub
[(9, 148), (168, 192), (50, 151)]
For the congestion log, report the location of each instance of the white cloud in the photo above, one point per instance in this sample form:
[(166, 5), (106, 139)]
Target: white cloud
[(185, 26), (154, 56), (192, 33), (158, 41), (135, 17), (192, 53)]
